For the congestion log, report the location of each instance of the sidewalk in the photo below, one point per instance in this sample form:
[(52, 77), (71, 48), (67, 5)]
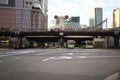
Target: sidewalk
[(113, 77), (4, 49)]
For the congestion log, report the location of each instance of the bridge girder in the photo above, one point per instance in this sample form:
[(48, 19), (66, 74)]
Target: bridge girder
[(85, 33)]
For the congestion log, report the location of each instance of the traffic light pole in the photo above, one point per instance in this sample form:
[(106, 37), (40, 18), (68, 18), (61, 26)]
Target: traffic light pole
[(116, 41)]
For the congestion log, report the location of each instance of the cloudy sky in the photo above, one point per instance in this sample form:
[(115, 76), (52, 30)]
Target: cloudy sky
[(81, 8)]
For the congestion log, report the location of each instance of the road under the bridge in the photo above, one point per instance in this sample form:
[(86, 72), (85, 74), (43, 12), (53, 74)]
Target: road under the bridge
[(78, 39)]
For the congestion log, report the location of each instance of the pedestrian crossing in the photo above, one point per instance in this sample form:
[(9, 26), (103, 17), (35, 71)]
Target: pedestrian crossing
[(61, 52)]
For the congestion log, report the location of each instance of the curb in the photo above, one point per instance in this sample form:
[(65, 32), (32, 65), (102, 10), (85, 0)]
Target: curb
[(3, 49), (113, 77)]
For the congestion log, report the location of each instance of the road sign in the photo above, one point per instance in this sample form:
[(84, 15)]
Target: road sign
[(61, 33), (116, 33)]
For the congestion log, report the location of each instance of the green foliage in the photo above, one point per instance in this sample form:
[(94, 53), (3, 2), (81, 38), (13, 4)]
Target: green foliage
[(116, 33), (0, 37), (118, 77), (3, 45)]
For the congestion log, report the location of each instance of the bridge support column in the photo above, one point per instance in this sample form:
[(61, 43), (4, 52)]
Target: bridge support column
[(10, 42), (116, 41), (107, 42), (61, 39), (61, 42), (20, 42)]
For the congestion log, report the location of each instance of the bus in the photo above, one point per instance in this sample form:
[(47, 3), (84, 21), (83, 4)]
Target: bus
[(70, 44), (87, 44)]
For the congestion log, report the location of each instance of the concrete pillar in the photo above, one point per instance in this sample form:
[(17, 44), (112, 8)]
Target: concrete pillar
[(20, 42), (61, 39), (10, 42), (116, 41), (31, 44), (107, 42), (61, 42)]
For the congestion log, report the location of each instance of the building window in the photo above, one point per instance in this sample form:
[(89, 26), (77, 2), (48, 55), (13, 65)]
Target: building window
[(37, 12), (26, 2), (30, 3), (3, 1)]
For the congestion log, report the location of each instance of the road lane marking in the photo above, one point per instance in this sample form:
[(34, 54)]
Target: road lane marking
[(14, 52), (3, 55), (38, 54), (17, 58), (46, 59), (58, 58), (100, 56), (62, 57), (83, 57), (41, 54), (68, 54), (1, 61), (75, 57)]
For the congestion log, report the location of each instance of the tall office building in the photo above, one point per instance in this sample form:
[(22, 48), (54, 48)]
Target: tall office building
[(96, 17), (116, 18), (23, 15), (92, 18)]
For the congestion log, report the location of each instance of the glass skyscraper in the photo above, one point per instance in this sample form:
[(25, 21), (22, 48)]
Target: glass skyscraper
[(96, 17)]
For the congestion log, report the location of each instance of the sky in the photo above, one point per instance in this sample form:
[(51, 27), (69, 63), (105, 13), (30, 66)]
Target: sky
[(80, 8)]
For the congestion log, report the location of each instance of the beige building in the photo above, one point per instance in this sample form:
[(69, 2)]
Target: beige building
[(116, 18)]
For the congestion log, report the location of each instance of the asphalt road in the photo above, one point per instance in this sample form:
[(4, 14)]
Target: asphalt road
[(58, 64)]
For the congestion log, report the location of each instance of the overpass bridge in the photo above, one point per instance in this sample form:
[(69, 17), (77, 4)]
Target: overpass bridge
[(65, 33), (62, 34)]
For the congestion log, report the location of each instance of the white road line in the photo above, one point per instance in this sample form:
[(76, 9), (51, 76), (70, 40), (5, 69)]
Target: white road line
[(99, 56), (46, 59), (17, 58), (76, 57), (83, 57), (3, 55), (14, 52), (38, 54), (1, 61), (58, 58), (68, 54)]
